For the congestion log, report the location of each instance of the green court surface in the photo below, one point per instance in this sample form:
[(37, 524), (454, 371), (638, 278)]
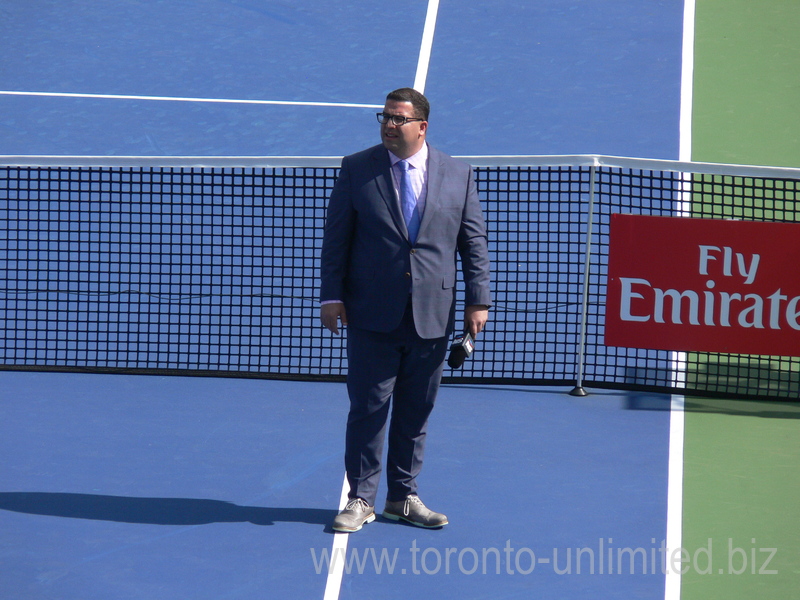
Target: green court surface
[(741, 481), (742, 458), (746, 83)]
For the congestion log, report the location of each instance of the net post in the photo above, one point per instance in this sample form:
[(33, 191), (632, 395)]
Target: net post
[(579, 390)]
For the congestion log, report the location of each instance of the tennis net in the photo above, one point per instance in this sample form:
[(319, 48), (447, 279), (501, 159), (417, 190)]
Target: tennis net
[(210, 267)]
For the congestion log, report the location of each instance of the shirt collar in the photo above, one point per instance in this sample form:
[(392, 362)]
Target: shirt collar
[(418, 160)]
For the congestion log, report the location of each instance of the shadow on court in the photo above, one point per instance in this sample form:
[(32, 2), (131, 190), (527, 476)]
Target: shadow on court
[(156, 511), (744, 408)]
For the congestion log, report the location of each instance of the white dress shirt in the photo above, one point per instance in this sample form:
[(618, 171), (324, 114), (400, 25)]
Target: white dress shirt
[(418, 171)]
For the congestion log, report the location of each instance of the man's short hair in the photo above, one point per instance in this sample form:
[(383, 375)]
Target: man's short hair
[(422, 107)]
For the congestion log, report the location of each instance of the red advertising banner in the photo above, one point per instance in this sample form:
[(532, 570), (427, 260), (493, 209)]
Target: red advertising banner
[(708, 285)]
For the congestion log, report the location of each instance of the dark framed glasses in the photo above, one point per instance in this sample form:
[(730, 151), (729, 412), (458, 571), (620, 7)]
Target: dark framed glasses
[(397, 120)]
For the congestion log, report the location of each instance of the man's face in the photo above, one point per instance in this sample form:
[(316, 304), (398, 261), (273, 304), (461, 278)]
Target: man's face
[(406, 140)]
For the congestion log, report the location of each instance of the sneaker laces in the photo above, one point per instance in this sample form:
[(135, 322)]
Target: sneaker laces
[(409, 501), (357, 504)]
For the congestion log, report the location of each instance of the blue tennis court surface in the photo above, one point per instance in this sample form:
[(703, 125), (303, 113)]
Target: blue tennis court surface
[(128, 487), (117, 487), (149, 487), (599, 77)]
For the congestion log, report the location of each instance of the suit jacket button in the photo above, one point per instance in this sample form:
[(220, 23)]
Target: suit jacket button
[(413, 251), (408, 274)]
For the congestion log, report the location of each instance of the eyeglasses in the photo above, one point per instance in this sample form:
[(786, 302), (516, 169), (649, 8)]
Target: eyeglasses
[(397, 120)]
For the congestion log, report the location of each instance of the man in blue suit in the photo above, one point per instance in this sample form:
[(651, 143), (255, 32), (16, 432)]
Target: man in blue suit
[(399, 215)]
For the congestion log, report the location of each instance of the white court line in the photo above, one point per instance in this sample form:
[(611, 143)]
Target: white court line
[(687, 82), (425, 48), (334, 582), (672, 583), (181, 99)]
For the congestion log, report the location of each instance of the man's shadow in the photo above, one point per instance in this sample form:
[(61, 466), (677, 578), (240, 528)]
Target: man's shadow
[(157, 511)]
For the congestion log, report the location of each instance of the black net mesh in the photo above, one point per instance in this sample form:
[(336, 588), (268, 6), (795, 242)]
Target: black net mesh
[(214, 270)]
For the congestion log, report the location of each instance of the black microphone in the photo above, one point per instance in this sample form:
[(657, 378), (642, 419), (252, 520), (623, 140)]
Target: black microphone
[(460, 350)]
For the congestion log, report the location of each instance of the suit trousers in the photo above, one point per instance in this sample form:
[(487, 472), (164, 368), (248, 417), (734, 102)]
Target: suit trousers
[(400, 370)]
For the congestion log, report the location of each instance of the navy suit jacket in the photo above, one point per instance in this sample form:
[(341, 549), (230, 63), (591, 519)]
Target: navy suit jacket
[(369, 263)]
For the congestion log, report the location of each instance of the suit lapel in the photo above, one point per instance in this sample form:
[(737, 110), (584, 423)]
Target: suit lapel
[(435, 179), (385, 183)]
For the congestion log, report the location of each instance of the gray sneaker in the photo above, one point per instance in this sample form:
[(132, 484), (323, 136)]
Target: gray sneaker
[(355, 514), (413, 511)]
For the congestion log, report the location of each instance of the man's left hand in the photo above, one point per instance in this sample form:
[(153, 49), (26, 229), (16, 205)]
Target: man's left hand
[(475, 318)]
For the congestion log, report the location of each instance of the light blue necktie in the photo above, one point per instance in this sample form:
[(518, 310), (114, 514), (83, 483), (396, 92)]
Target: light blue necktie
[(409, 202)]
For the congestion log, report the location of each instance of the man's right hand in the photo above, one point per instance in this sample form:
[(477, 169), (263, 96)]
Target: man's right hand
[(330, 315)]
